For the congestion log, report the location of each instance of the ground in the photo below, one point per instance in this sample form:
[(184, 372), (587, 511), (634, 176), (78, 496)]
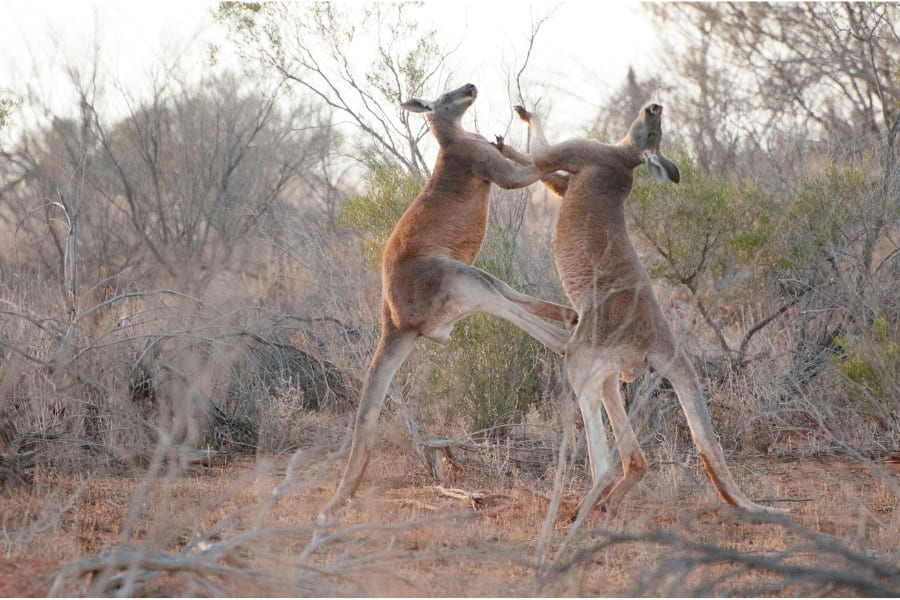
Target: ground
[(477, 535)]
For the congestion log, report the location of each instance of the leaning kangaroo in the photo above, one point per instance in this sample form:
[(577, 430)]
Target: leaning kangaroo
[(621, 330), (428, 283)]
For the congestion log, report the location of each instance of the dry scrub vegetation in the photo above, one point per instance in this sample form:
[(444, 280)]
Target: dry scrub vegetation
[(221, 531), (189, 294)]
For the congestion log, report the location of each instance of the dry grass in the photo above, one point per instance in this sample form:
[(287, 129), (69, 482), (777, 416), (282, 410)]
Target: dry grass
[(220, 531)]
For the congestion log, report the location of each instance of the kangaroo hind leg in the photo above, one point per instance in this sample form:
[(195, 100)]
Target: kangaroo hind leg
[(393, 348), (473, 290), (536, 306), (680, 373), (634, 464)]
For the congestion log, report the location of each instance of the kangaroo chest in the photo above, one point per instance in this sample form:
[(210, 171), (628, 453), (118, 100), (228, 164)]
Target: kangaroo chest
[(594, 257), (447, 219)]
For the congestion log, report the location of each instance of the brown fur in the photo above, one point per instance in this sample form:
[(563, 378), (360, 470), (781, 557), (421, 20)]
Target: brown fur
[(428, 283), (622, 330)]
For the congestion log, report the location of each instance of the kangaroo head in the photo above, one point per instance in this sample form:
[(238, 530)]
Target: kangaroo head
[(450, 106), (645, 135)]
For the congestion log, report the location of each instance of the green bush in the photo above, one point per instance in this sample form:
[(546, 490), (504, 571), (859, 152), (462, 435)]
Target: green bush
[(820, 217), (389, 191), (703, 226), (870, 363), (491, 371)]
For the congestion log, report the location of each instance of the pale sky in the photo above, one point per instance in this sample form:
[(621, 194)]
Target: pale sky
[(582, 52)]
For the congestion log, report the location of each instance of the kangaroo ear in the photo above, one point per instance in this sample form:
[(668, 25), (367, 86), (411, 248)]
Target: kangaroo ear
[(671, 168), (418, 106), (663, 169)]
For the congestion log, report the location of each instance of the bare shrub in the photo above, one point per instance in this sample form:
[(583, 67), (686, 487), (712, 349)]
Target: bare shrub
[(142, 247), (284, 422), (687, 566)]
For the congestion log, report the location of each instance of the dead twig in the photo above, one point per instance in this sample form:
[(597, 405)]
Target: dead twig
[(476, 499)]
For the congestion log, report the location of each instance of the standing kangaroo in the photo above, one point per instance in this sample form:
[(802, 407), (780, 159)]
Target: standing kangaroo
[(428, 283), (621, 330)]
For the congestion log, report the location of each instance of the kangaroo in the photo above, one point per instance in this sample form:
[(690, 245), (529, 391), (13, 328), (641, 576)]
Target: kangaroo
[(428, 281), (621, 331)]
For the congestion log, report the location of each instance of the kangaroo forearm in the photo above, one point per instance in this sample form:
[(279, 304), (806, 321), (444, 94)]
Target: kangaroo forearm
[(558, 183), (514, 155), (515, 176)]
